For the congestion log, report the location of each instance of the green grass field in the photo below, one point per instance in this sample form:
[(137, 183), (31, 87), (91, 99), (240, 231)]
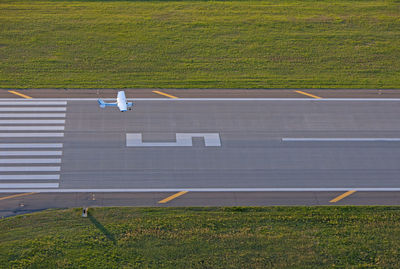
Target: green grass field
[(200, 44), (268, 237)]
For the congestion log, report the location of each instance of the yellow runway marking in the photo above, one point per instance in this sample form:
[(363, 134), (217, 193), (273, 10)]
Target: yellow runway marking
[(16, 195), (166, 94), (309, 94), (166, 200), (20, 94), (340, 197)]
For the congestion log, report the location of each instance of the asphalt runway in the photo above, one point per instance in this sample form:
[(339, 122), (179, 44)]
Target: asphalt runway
[(224, 152), (204, 93)]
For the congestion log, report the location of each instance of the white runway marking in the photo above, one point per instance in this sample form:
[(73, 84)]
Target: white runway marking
[(28, 126), (31, 153), (17, 109), (31, 134), (287, 139), (32, 103), (26, 185), (211, 190), (29, 177), (32, 115), (32, 121), (32, 128), (29, 161), (182, 140), (29, 168), (30, 145)]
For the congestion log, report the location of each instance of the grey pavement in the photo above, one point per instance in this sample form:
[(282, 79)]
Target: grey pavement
[(204, 93), (254, 153), (41, 201)]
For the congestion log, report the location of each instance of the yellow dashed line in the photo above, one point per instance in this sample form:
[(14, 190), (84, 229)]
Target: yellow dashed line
[(309, 94), (169, 198), (20, 94), (166, 94), (16, 195), (340, 197)]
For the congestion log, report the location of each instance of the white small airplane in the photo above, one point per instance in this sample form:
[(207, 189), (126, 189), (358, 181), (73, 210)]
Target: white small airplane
[(121, 103)]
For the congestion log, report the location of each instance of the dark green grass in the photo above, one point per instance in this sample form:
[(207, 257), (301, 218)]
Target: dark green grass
[(200, 44), (269, 237)]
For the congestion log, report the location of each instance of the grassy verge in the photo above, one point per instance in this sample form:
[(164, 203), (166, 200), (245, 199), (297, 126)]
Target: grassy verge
[(306, 237), (201, 44)]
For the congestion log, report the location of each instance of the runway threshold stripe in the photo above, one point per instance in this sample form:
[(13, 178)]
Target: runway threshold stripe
[(32, 115), (29, 161), (14, 187), (29, 168), (20, 94), (34, 109), (31, 134), (31, 153), (16, 195), (32, 103), (32, 121), (32, 128), (169, 198), (29, 177), (30, 145), (309, 94), (166, 94), (340, 197), (289, 139)]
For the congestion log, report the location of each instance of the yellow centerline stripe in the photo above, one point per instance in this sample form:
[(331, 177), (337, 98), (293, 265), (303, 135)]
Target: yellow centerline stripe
[(169, 198), (16, 195), (309, 94), (20, 94), (340, 197), (165, 94)]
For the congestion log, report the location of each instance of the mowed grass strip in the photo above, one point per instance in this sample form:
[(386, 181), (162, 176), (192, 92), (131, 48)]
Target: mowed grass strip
[(268, 237), (200, 44)]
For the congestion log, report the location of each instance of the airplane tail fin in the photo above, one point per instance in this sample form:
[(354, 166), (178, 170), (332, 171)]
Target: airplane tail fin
[(102, 104)]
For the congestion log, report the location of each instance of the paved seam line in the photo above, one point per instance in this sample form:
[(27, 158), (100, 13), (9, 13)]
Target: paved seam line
[(166, 200), (20, 94), (340, 197), (16, 195), (218, 99), (166, 94), (309, 94), (130, 190)]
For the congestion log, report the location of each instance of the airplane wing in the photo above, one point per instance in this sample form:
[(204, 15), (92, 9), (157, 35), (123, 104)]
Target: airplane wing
[(103, 104)]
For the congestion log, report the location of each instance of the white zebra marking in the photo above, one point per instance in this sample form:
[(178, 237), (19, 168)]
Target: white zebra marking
[(32, 128), (32, 153), (29, 177), (29, 161), (16, 109), (29, 168), (30, 145), (32, 121)]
